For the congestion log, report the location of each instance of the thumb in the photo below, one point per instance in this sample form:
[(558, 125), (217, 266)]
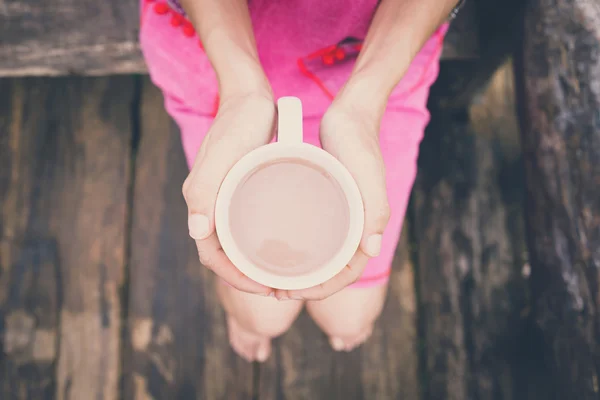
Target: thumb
[(202, 185), (236, 131), (200, 194), (369, 174)]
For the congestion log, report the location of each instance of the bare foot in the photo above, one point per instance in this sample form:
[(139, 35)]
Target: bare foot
[(348, 316), (254, 320), (248, 345)]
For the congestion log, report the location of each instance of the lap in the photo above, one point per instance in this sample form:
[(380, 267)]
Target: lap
[(189, 99)]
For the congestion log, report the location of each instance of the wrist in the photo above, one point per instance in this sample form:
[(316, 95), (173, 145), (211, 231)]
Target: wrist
[(364, 94), (236, 65), (243, 80)]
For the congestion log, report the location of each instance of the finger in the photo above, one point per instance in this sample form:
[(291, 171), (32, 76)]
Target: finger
[(229, 139), (212, 256), (202, 185), (350, 274), (360, 153)]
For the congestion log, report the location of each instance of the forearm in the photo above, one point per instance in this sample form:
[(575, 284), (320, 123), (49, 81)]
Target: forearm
[(398, 31), (225, 29)]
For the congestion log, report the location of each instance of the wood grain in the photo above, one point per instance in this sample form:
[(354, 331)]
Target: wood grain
[(177, 340), (304, 366), (64, 185), (470, 253), (69, 37), (466, 78), (29, 287), (559, 74)]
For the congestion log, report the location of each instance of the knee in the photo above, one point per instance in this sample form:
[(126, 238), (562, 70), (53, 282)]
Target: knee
[(347, 319), (264, 316), (351, 325), (350, 328), (271, 324)]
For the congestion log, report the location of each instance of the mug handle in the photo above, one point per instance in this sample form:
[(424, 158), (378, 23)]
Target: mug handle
[(289, 120)]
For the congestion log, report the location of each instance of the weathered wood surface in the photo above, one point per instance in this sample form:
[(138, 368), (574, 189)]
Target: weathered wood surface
[(29, 294), (177, 338), (66, 237), (559, 70), (55, 37), (469, 246), (498, 23), (44, 37), (304, 366), (64, 176)]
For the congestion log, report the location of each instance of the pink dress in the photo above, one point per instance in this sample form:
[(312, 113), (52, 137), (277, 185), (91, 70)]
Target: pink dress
[(307, 48)]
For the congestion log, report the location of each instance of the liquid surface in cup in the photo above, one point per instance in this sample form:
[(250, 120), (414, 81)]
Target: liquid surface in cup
[(289, 217)]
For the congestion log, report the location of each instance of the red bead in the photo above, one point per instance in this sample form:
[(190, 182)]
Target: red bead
[(327, 59), (176, 20), (340, 54), (161, 8), (188, 29)]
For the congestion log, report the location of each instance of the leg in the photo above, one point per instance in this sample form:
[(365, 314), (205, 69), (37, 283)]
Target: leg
[(254, 320), (348, 316)]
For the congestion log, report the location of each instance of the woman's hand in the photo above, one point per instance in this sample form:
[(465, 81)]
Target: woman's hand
[(243, 123), (350, 128), (351, 133)]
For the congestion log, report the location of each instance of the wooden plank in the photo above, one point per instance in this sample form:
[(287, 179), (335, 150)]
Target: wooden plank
[(69, 37), (559, 75), (29, 319), (29, 270), (304, 366), (465, 78), (64, 186), (177, 341), (90, 37), (470, 254)]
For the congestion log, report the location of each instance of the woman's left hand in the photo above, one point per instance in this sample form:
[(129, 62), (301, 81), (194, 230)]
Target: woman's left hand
[(351, 134)]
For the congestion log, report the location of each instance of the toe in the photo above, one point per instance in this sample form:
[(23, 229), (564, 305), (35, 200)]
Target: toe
[(241, 341), (337, 343), (240, 346), (351, 343), (263, 351), (250, 346)]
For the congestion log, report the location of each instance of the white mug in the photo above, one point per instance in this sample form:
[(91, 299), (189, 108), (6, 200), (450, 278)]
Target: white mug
[(289, 148)]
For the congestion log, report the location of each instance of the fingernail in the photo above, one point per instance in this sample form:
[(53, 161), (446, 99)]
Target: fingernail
[(262, 355), (337, 344), (373, 246), (198, 225)]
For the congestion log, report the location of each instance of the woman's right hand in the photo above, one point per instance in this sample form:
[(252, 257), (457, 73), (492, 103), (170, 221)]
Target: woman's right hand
[(243, 123)]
